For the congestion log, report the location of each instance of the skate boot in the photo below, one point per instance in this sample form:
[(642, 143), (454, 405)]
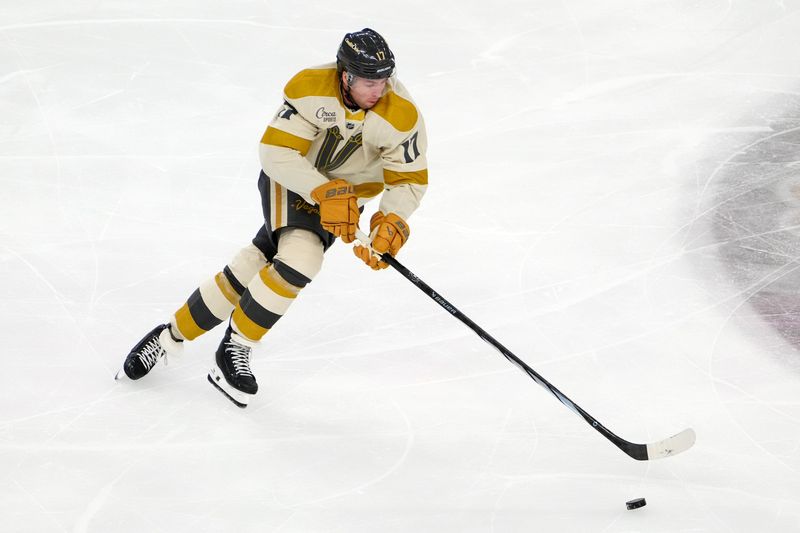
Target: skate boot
[(144, 356), (231, 374)]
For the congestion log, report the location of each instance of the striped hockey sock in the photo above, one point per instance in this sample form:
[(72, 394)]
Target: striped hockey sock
[(266, 300), (208, 306)]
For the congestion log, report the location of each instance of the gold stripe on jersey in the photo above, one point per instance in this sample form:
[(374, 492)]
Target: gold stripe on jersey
[(358, 115), (397, 111), (368, 190), (313, 82), (276, 137), (320, 82), (393, 177)]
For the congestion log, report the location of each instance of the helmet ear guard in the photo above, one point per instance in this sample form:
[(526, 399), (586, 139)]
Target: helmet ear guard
[(365, 54)]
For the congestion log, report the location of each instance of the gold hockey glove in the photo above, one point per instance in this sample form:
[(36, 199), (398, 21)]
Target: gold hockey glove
[(338, 208), (389, 233)]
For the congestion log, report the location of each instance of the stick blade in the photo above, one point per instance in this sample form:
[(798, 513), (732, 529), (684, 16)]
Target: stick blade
[(673, 445)]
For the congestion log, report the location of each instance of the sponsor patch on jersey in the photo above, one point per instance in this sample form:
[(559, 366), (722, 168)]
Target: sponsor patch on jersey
[(326, 116)]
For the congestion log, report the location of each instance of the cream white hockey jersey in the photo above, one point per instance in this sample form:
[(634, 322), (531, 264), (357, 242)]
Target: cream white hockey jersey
[(314, 137)]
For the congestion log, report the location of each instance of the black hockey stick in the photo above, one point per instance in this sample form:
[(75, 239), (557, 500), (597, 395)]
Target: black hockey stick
[(642, 452)]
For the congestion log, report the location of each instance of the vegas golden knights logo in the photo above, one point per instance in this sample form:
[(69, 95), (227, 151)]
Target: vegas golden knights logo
[(328, 158), (381, 55)]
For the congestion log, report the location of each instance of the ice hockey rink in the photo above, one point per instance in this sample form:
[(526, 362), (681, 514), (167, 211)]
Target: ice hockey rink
[(614, 195)]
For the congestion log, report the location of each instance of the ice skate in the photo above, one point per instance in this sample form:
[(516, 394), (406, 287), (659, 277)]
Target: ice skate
[(231, 374), (156, 345)]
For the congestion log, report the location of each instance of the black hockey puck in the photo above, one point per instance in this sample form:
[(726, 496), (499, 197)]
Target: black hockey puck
[(635, 504)]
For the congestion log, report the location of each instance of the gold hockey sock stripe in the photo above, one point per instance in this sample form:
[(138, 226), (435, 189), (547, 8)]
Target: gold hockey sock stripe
[(256, 312), (233, 280), (266, 297), (214, 301), (187, 327), (206, 308), (226, 288), (277, 284), (246, 327)]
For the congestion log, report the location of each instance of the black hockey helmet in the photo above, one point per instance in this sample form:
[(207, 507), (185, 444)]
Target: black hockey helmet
[(365, 54)]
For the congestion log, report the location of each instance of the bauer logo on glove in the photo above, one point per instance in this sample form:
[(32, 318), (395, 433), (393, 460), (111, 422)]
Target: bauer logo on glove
[(341, 191), (338, 208)]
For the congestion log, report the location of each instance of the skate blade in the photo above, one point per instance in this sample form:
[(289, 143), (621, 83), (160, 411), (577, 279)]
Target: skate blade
[(239, 398), (121, 376)]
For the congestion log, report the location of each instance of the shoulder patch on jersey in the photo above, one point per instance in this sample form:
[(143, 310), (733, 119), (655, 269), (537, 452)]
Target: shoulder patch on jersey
[(397, 111), (313, 82)]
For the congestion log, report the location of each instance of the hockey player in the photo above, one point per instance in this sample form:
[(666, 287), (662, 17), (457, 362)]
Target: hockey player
[(347, 132)]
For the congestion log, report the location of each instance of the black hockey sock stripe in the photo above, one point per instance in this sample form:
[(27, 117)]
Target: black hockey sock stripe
[(257, 313), (200, 312), (237, 286), (291, 275)]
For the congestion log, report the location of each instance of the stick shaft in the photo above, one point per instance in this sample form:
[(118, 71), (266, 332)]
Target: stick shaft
[(637, 451)]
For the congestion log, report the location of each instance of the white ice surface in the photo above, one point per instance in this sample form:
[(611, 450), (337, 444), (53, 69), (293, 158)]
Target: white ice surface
[(612, 192)]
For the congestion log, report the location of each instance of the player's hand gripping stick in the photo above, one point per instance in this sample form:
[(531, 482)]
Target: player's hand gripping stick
[(388, 233)]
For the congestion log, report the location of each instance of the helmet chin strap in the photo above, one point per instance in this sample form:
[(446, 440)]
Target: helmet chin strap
[(345, 90)]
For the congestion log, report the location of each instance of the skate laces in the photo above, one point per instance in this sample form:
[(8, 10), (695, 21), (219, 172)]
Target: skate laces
[(151, 353), (240, 357)]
